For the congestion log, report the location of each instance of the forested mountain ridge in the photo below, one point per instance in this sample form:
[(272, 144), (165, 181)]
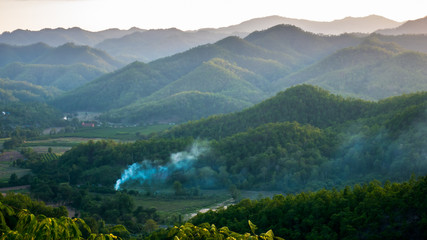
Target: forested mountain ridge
[(304, 104), (227, 84), (372, 70), (70, 53), (114, 90), (220, 77), (65, 54), (59, 36), (16, 91), (24, 54), (352, 140), (182, 106), (65, 67), (258, 66), (232, 67), (150, 45), (364, 211), (304, 46), (63, 77)]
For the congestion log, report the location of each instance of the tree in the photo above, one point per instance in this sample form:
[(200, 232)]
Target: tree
[(234, 192), (177, 186), (13, 180), (150, 226)]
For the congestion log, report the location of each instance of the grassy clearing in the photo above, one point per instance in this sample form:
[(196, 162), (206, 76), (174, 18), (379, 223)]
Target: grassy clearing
[(169, 205), (181, 206)]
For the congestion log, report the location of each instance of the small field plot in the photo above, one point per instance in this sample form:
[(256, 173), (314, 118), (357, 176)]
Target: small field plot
[(169, 205), (117, 133), (7, 168), (179, 205), (58, 145)]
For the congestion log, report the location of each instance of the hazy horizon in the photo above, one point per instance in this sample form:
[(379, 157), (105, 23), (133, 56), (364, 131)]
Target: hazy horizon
[(98, 15)]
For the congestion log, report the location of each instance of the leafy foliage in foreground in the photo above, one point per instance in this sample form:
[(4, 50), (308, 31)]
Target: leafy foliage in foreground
[(206, 231), (20, 224), (368, 211)]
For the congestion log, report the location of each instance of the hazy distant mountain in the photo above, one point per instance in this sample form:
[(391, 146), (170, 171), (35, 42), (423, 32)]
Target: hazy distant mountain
[(137, 44), (411, 42), (372, 70), (63, 77), (25, 54), (153, 44), (67, 54), (418, 26), (367, 24), (60, 36), (15, 91), (302, 45), (71, 54)]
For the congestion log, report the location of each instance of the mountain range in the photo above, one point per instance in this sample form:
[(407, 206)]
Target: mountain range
[(60, 36), (366, 24), (66, 54), (240, 69), (231, 74), (148, 45), (372, 70), (245, 71), (64, 67)]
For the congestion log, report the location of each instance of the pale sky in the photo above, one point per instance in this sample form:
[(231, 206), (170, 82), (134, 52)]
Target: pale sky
[(95, 15)]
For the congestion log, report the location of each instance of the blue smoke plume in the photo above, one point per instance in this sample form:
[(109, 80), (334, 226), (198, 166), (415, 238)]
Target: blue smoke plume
[(146, 171)]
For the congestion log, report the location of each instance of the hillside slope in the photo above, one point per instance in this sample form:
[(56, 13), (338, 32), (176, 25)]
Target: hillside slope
[(418, 26), (180, 107), (372, 70), (113, 90), (59, 76)]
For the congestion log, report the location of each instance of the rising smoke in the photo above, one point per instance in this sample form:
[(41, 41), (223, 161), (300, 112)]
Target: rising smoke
[(148, 171)]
